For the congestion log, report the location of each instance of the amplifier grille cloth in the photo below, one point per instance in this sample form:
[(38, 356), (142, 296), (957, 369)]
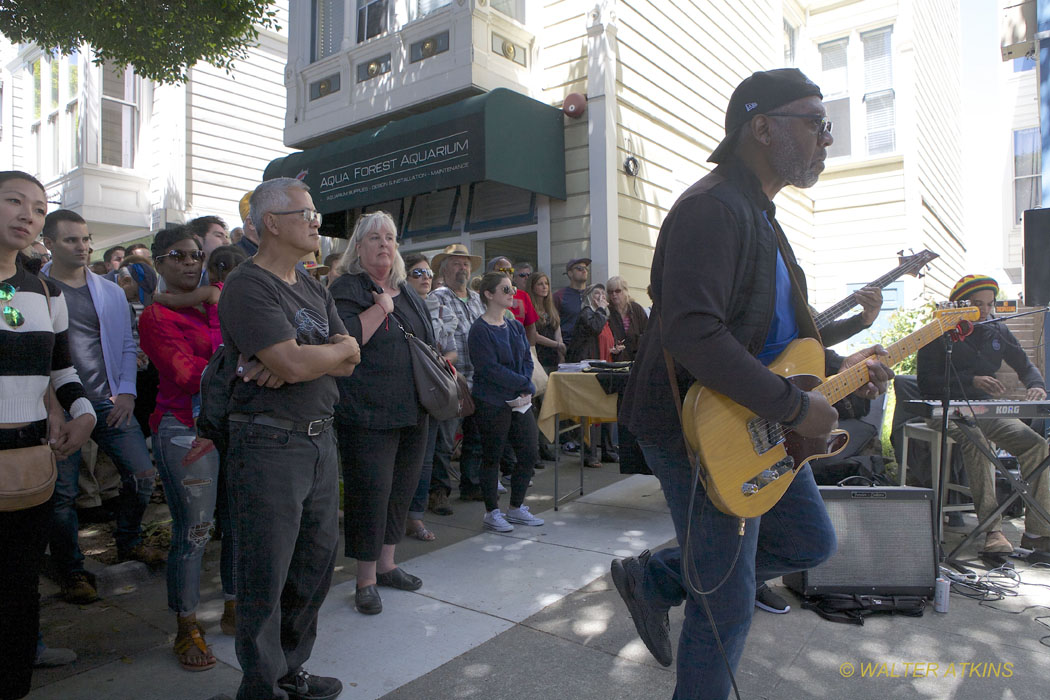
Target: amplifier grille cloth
[(880, 541)]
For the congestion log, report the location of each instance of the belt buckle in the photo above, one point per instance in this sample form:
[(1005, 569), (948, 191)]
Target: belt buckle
[(315, 428)]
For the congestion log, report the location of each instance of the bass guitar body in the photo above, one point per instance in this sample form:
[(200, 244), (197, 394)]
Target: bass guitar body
[(749, 462)]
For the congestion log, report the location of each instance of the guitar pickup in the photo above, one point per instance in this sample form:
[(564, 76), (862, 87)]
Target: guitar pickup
[(765, 435), (768, 476)]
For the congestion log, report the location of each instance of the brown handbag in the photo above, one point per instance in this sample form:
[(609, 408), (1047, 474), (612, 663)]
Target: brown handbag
[(27, 477), (28, 474)]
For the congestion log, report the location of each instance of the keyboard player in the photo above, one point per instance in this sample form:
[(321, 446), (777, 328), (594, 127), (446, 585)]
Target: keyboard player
[(975, 362)]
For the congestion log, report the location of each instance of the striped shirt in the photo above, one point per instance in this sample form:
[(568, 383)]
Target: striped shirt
[(36, 351)]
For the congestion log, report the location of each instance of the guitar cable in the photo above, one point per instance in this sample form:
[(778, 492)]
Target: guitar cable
[(688, 567)]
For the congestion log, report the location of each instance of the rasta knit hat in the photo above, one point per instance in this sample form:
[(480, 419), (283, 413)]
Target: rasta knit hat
[(761, 93), (971, 284)]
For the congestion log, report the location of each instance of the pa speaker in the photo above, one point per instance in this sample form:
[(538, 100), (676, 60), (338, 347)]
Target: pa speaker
[(885, 544), (1037, 257)]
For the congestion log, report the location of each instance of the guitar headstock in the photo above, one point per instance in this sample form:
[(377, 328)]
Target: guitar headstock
[(913, 264), (950, 313)]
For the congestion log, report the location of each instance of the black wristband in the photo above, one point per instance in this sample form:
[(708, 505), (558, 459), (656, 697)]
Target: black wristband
[(803, 409)]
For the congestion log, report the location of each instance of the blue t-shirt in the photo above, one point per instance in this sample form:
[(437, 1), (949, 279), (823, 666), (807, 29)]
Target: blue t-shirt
[(784, 327)]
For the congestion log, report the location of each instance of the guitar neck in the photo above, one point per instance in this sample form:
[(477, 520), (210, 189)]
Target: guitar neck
[(852, 378), (835, 310)]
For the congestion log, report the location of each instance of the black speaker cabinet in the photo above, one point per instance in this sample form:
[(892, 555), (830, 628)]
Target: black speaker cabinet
[(1037, 257), (885, 543)]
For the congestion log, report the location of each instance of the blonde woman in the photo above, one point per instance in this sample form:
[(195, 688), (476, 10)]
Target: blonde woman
[(627, 319), (381, 426), (549, 346)]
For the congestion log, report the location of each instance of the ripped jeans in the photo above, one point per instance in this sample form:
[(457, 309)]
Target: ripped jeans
[(191, 492)]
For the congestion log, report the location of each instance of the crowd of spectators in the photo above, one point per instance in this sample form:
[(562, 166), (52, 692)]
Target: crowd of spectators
[(319, 376)]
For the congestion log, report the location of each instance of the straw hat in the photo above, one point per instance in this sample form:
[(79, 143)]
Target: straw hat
[(454, 250)]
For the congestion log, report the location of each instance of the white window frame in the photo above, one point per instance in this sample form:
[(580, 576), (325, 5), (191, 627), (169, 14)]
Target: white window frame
[(1036, 177), (129, 136), (857, 93)]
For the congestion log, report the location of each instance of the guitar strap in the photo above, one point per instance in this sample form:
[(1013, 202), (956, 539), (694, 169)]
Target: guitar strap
[(694, 458)]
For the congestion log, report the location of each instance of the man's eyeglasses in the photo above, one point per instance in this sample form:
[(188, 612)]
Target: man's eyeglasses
[(308, 215), (505, 270), (579, 268), (820, 123), (421, 272), (12, 316), (523, 274), (180, 255)]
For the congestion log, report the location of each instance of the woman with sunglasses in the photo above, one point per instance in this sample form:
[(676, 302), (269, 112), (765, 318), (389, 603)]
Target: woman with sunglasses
[(502, 394), (34, 356), (381, 426), (178, 342), (420, 278)]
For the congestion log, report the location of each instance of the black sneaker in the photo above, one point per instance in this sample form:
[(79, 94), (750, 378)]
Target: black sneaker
[(766, 599), (302, 686), (650, 621)]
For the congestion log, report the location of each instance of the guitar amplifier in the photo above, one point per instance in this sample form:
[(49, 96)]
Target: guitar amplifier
[(885, 543)]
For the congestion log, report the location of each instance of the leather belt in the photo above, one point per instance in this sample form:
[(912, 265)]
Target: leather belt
[(311, 428)]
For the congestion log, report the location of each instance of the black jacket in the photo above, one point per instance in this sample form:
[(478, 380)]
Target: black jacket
[(714, 287), (381, 393), (980, 354)]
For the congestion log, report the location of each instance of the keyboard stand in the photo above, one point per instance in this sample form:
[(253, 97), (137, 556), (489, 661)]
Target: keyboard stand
[(1019, 486)]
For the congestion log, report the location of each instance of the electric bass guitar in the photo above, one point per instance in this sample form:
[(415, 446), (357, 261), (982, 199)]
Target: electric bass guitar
[(909, 265), (748, 462)]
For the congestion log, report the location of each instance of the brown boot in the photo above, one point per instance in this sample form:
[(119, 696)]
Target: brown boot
[(996, 543), (228, 623), (150, 556), (1040, 544), (77, 589)]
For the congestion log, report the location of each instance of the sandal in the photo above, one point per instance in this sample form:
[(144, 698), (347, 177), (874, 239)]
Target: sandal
[(421, 533), (192, 649)]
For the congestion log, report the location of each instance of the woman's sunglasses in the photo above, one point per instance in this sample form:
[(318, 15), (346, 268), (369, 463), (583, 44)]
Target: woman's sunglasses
[(421, 272), (180, 255), (12, 316)]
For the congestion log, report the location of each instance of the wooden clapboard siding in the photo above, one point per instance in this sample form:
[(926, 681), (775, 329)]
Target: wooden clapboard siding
[(563, 69), (937, 145), (831, 20), (234, 126), (678, 63)]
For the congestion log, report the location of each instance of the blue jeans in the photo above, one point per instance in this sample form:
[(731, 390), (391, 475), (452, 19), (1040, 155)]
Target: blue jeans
[(795, 534), (418, 507), (191, 493), (126, 446)]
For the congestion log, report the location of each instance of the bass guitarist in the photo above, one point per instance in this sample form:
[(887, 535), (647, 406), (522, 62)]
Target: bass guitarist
[(729, 297)]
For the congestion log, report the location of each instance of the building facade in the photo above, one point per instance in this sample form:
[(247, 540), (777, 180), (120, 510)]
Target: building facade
[(131, 156), (641, 86)]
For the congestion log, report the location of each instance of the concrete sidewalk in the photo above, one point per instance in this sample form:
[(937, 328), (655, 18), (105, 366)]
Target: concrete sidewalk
[(533, 614)]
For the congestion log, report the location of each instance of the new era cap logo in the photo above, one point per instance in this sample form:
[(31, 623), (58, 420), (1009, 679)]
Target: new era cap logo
[(750, 106)]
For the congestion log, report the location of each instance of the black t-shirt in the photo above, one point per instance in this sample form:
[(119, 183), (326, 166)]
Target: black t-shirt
[(257, 310)]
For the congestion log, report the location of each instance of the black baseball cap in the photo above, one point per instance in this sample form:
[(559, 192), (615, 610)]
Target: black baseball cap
[(761, 93), (574, 261)]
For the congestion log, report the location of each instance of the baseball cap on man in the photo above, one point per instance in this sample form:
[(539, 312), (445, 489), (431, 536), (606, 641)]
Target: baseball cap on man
[(761, 93), (575, 261)]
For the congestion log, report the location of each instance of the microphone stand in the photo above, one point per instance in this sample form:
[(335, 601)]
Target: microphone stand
[(943, 469)]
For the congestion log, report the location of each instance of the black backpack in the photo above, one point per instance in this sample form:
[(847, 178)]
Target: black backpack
[(216, 388)]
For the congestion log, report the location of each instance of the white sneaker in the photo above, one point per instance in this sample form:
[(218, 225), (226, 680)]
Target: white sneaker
[(500, 488), (494, 520), (522, 516)]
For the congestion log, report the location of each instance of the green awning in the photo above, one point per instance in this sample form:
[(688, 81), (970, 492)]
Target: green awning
[(502, 136)]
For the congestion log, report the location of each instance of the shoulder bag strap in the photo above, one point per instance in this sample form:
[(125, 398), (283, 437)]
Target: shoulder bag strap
[(51, 324)]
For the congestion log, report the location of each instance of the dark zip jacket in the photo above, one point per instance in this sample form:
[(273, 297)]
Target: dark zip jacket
[(714, 287)]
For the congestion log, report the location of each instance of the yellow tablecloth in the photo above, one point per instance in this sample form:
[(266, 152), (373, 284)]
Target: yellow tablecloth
[(575, 394)]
